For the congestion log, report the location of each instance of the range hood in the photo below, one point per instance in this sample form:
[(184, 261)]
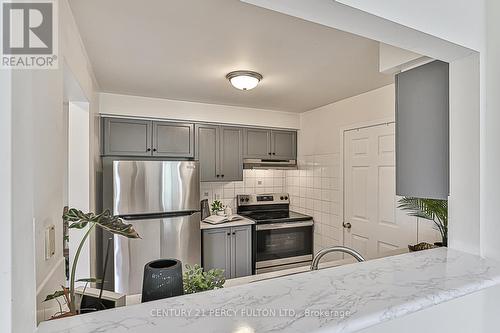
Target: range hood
[(257, 163)]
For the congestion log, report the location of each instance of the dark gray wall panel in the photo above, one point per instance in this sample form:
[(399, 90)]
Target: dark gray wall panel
[(422, 131)]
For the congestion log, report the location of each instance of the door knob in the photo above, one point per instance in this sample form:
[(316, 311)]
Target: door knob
[(347, 225)]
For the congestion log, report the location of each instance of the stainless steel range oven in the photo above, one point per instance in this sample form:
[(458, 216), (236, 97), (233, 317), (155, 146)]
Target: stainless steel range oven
[(282, 238)]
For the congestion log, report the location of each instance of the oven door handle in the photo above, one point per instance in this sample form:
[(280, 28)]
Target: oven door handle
[(284, 225)]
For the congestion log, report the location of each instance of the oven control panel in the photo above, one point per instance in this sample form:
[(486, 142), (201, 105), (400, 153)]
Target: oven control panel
[(263, 199)]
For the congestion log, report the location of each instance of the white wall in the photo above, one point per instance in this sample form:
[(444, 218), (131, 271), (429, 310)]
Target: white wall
[(79, 179), (464, 196), (458, 21), (463, 23), (6, 200), (51, 151), (126, 105), (393, 60), (320, 144), (38, 167), (490, 164), (320, 128)]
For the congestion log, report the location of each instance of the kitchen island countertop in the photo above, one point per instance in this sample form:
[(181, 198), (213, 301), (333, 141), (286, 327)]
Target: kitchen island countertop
[(339, 299)]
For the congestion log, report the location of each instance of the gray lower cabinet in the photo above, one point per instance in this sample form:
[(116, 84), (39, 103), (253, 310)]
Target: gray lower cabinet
[(127, 137), (229, 249), (270, 144), (220, 152), (217, 250), (172, 139), (241, 253)]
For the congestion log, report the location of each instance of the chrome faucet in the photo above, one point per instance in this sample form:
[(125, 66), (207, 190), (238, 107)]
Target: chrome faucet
[(320, 254)]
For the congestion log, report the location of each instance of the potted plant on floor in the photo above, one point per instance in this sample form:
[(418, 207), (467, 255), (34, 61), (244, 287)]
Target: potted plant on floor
[(80, 220), (430, 209)]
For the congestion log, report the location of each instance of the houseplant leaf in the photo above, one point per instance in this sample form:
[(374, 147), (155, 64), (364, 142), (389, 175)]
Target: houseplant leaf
[(55, 295), (90, 280)]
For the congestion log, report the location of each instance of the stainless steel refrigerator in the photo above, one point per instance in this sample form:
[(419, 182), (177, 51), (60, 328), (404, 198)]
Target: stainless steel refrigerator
[(161, 199)]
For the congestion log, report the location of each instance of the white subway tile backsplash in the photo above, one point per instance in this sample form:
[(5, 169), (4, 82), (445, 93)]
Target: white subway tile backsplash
[(228, 193), (249, 182), (268, 182), (315, 188), (239, 184), (316, 182), (254, 182)]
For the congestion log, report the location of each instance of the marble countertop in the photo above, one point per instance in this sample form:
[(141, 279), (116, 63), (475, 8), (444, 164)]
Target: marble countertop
[(339, 299), (242, 221)]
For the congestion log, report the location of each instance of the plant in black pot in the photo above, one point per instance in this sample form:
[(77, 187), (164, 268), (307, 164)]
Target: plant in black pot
[(88, 221), (162, 279), (430, 209)]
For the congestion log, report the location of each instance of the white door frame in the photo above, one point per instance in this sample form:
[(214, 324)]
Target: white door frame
[(351, 127)]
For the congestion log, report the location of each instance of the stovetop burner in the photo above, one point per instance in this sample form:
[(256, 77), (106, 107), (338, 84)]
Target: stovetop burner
[(275, 216), (268, 208)]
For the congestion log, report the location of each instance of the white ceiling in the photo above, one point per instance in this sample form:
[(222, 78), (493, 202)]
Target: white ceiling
[(182, 49)]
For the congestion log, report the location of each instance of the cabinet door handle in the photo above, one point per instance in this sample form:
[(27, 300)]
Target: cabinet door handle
[(229, 234), (274, 153), (154, 149), (218, 176), (269, 153), (234, 233), (149, 149), (222, 176)]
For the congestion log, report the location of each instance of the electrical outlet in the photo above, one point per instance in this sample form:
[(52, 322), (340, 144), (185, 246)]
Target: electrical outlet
[(50, 241)]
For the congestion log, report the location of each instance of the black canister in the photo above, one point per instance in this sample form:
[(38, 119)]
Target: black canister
[(162, 279)]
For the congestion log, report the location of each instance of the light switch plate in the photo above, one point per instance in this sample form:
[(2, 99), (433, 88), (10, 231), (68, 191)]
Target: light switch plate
[(50, 242)]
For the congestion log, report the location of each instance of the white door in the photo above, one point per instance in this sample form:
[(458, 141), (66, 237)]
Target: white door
[(372, 223)]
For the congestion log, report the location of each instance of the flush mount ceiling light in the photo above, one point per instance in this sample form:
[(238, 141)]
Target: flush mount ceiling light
[(244, 80)]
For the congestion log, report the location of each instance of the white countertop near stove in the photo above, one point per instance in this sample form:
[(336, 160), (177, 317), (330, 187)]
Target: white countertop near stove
[(242, 221), (339, 299)]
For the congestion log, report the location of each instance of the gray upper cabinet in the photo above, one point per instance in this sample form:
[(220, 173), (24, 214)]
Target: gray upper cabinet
[(219, 150), (229, 249), (172, 139), (257, 143), (284, 145), (135, 137), (270, 144), (127, 137), (422, 131), (207, 151), (231, 154)]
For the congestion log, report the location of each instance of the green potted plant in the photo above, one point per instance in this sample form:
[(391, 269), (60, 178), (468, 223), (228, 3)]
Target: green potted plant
[(196, 280), (430, 209), (217, 207), (80, 220)]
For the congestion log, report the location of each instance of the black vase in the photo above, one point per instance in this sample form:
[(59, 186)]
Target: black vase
[(162, 279)]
